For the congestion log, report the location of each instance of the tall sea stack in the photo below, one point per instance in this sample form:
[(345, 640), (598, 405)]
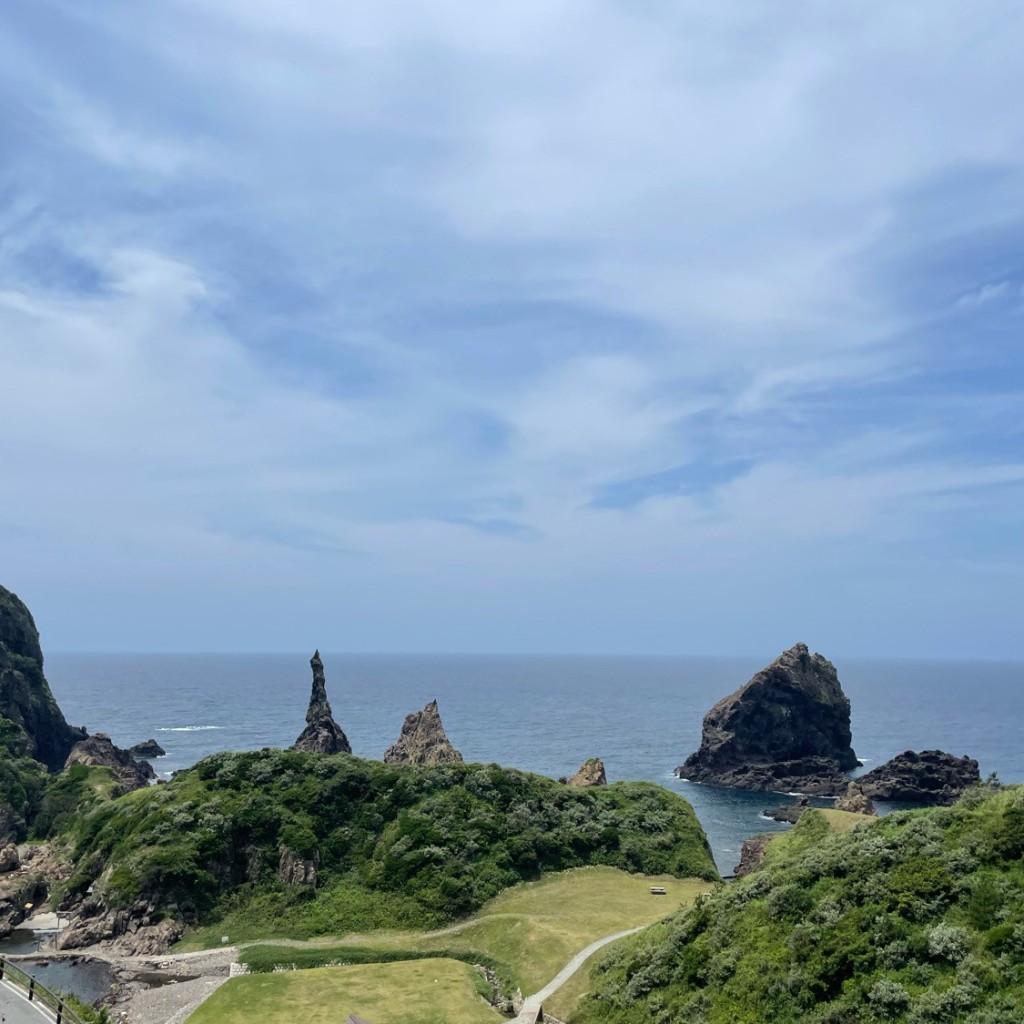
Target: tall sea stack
[(322, 734), (787, 728)]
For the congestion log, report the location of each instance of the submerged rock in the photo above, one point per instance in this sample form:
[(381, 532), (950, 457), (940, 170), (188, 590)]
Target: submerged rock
[(787, 728), (591, 773), (147, 748), (423, 740), (25, 697), (928, 777), (99, 750), (322, 734)]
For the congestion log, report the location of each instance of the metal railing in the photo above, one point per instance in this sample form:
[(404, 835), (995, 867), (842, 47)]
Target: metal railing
[(38, 993)]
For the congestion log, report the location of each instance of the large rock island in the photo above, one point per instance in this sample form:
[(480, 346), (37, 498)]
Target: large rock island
[(787, 728)]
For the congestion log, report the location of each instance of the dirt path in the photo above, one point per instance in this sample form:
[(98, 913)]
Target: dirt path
[(532, 1004)]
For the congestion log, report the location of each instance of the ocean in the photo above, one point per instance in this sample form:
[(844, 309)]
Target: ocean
[(641, 715)]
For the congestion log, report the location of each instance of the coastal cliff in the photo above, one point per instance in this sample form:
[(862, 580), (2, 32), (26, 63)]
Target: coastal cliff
[(25, 697), (787, 728), (322, 734)]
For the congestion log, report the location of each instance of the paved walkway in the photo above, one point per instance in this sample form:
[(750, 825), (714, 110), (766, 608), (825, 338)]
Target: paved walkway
[(16, 1009), (532, 1004)]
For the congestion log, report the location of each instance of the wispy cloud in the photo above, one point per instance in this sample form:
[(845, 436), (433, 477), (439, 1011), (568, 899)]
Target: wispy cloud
[(460, 322)]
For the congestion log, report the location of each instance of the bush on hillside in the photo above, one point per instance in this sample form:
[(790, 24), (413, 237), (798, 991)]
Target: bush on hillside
[(392, 844), (917, 917)]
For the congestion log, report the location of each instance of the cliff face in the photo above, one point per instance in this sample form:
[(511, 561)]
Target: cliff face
[(788, 727), (322, 734), (423, 740), (25, 697)]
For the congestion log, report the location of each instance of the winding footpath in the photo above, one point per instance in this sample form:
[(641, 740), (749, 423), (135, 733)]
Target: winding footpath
[(532, 1004)]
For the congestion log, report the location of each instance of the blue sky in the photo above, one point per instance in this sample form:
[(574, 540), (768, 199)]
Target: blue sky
[(519, 326)]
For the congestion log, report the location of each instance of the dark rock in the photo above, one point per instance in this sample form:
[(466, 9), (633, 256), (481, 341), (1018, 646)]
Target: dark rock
[(790, 813), (855, 801), (100, 750), (752, 853), (25, 696), (147, 748), (295, 870), (788, 728), (928, 777), (591, 773), (322, 734), (139, 930), (423, 740)]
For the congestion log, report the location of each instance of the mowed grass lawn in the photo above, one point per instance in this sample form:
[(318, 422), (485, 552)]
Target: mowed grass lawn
[(413, 992)]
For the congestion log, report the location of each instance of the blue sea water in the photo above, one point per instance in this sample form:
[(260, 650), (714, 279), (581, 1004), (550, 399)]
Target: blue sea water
[(641, 715)]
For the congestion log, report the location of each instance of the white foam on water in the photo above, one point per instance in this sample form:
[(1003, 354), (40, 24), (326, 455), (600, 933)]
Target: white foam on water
[(190, 728)]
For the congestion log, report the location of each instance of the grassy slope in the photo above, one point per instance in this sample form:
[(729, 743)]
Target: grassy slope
[(917, 917), (534, 929), (396, 846), (421, 991)]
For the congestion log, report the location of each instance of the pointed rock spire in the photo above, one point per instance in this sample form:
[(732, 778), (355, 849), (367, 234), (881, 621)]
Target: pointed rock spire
[(591, 773), (423, 740), (322, 734)]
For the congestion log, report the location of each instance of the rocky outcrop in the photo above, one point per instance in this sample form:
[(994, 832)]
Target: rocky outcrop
[(752, 854), (854, 801), (99, 750), (787, 728), (295, 870), (322, 734), (789, 813), (928, 777), (423, 740), (25, 697), (139, 930), (591, 773), (147, 748), (9, 859)]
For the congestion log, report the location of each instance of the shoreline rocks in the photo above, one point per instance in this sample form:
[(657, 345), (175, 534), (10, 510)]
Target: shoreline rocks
[(147, 748), (929, 777), (322, 734), (423, 740), (787, 728)]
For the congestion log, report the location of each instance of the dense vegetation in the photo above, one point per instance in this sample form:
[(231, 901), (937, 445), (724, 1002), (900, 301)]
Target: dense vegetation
[(22, 782), (393, 845), (917, 917)]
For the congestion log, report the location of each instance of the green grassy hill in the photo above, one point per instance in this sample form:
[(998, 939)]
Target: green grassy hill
[(917, 917), (394, 846)]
